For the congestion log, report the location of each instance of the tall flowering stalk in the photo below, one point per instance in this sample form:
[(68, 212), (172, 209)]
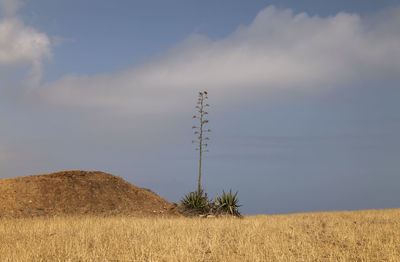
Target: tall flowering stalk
[(200, 131)]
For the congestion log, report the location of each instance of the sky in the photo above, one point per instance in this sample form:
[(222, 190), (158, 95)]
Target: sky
[(304, 97)]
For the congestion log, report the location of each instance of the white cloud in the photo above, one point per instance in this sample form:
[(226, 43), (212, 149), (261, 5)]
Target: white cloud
[(21, 45), (278, 49)]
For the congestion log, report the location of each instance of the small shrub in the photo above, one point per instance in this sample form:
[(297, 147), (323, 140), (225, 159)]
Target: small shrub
[(195, 201), (228, 203)]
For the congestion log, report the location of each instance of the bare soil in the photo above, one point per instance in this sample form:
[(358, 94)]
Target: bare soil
[(78, 192)]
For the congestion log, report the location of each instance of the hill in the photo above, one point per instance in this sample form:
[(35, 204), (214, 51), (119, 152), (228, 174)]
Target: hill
[(78, 193)]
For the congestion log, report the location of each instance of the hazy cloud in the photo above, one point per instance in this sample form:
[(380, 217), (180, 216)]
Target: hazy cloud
[(21, 45), (10, 7), (278, 49)]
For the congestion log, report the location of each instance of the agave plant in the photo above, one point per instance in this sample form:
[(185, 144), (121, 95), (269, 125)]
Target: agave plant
[(228, 203), (195, 201)]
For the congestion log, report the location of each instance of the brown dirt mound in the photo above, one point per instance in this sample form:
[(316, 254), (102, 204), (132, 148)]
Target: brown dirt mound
[(78, 193)]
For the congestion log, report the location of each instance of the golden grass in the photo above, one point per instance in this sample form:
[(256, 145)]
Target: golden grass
[(372, 235)]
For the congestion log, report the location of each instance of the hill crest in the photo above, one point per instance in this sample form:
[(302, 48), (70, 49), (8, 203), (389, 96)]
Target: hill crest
[(78, 192)]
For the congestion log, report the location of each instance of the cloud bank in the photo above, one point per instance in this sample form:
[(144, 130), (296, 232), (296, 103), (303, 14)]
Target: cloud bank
[(279, 49), (21, 46)]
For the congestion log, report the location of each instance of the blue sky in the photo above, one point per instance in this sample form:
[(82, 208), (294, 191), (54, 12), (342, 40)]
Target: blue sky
[(304, 97)]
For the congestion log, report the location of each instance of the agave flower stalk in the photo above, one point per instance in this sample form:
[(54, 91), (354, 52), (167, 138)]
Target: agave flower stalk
[(200, 131)]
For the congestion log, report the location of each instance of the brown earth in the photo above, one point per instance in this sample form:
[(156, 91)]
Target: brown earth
[(78, 193)]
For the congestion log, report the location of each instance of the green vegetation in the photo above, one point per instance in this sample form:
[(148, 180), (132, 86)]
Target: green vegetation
[(228, 203), (195, 201), (199, 204)]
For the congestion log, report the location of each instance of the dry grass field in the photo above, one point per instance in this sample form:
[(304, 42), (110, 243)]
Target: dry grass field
[(371, 235)]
